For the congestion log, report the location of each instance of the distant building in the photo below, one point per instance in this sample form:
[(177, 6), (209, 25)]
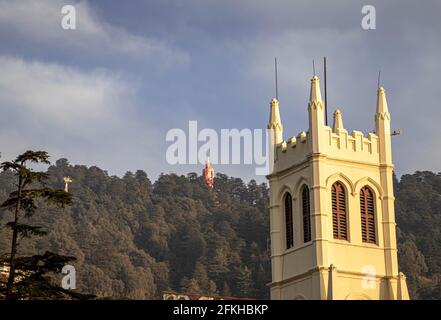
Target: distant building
[(208, 174), (332, 209)]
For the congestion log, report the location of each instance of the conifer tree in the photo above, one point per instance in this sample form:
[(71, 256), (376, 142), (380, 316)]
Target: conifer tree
[(28, 275)]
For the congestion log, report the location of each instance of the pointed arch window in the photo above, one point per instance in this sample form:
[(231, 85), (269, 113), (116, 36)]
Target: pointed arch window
[(306, 213), (288, 221), (339, 212), (367, 211)]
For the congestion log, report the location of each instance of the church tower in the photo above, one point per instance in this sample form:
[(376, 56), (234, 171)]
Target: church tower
[(332, 209)]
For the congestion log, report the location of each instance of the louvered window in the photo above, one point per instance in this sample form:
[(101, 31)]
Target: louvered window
[(339, 212), (367, 215), (306, 215), (288, 221)]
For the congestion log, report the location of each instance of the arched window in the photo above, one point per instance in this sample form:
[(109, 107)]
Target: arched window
[(339, 212), (288, 221), (367, 215), (306, 215)]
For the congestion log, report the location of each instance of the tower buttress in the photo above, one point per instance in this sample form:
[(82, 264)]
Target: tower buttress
[(382, 127), (319, 220)]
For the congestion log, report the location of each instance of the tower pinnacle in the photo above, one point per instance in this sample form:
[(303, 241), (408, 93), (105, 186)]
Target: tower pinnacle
[(381, 102), (338, 121), (315, 94), (275, 122)]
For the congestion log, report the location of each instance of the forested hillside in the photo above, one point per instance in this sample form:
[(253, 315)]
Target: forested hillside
[(135, 239), (418, 214)]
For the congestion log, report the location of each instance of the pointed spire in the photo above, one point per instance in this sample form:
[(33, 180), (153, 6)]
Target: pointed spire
[(338, 121), (315, 94), (275, 122), (382, 108)]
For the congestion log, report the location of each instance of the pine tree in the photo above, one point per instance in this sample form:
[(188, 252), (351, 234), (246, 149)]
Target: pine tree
[(27, 275)]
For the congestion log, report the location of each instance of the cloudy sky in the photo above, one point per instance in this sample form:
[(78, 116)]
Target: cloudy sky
[(107, 93)]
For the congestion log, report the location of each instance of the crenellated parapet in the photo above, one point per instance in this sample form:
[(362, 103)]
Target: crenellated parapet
[(339, 145), (355, 146), (293, 141), (292, 151)]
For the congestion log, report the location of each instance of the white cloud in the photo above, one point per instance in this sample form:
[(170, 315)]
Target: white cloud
[(39, 23), (88, 117), (60, 96)]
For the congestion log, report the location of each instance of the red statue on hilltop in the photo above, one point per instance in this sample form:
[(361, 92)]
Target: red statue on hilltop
[(208, 174)]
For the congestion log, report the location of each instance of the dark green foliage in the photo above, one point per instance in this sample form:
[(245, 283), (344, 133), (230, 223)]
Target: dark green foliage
[(34, 276), (418, 215), (26, 231), (135, 240), (29, 276)]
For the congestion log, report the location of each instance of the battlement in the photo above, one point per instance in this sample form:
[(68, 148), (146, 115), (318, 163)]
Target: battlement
[(292, 151), (292, 142), (354, 146), (337, 145)]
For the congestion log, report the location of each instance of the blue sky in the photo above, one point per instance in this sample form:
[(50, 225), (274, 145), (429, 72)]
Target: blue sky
[(107, 93)]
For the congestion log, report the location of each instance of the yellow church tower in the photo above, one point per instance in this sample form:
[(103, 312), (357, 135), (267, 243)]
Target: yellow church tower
[(332, 209)]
